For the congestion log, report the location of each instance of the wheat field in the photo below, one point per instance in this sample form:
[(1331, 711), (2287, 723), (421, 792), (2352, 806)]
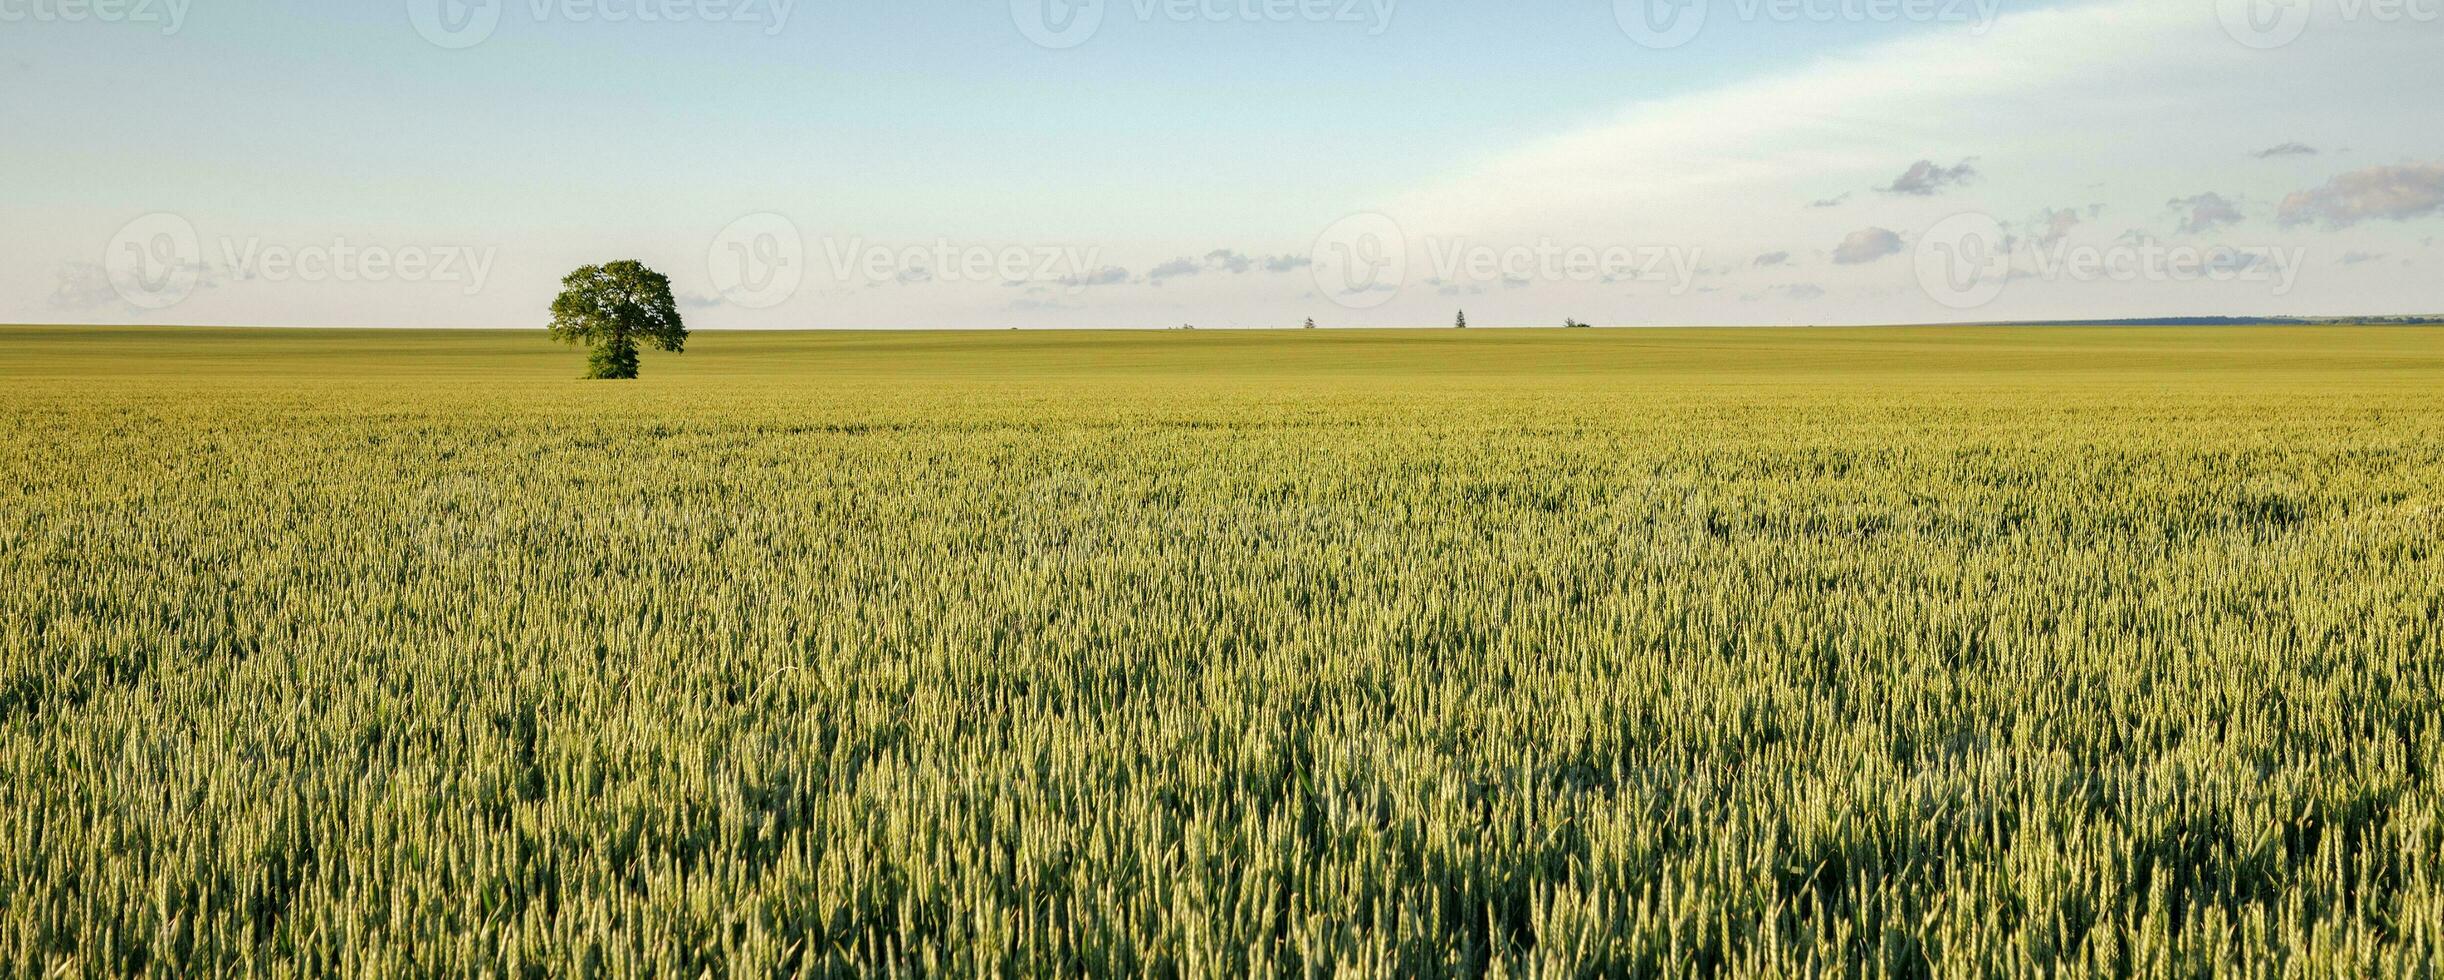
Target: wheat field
[(1741, 653)]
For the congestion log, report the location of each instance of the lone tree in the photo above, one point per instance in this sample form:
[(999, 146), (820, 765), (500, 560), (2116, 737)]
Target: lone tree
[(1463, 324), (1310, 323), (614, 307)]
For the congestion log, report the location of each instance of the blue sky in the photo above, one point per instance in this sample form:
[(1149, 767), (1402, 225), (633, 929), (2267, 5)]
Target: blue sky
[(1195, 163)]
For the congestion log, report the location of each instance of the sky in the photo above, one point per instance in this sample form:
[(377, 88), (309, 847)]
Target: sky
[(891, 164)]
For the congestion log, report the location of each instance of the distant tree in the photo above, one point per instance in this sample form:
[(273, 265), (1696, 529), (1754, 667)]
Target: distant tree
[(1463, 324), (1572, 324), (614, 307), (1310, 323)]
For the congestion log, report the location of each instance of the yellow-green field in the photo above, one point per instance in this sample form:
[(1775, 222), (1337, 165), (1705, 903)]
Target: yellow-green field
[(1739, 652)]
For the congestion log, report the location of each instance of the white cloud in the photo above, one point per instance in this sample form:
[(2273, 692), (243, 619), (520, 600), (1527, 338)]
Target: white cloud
[(1866, 245), (1174, 269), (1110, 275), (2398, 193), (2055, 224), (2146, 97), (2201, 213), (2036, 78), (85, 287), (1926, 179)]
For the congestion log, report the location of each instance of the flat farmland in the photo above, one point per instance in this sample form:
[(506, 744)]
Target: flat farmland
[(1928, 651)]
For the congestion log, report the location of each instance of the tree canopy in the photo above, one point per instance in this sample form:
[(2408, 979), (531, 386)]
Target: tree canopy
[(614, 307)]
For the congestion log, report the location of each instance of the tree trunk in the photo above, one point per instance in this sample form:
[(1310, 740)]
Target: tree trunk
[(613, 360)]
